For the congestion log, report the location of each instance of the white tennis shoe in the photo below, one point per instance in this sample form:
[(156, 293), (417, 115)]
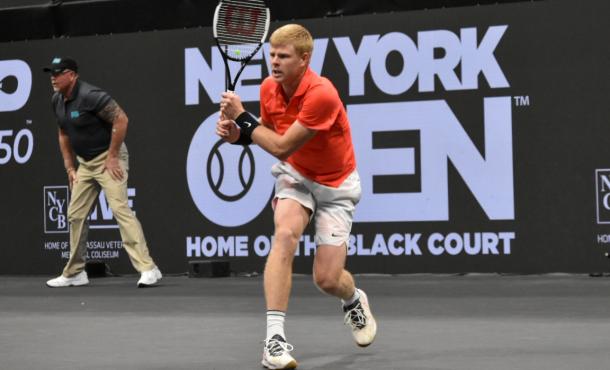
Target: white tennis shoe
[(149, 278), (76, 280), (276, 354), (359, 318)]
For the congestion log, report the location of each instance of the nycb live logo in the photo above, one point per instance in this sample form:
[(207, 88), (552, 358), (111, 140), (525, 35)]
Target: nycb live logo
[(602, 186), (56, 201), (55, 209), (101, 216)]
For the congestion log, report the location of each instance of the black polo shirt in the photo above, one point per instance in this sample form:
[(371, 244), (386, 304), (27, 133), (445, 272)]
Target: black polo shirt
[(77, 116)]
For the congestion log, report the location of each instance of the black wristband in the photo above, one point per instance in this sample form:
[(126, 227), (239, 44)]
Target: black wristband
[(243, 140), (247, 123)]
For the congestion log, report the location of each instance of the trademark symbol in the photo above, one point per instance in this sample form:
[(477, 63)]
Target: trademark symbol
[(522, 100)]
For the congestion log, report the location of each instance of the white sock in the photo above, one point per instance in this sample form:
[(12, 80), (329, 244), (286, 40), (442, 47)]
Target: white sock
[(275, 323), (352, 299)]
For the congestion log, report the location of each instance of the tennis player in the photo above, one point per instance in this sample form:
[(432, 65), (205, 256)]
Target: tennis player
[(304, 124)]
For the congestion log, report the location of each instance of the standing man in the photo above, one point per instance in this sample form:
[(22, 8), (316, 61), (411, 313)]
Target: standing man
[(92, 127), (304, 124)]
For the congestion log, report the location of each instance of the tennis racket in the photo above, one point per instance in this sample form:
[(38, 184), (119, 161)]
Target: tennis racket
[(240, 28)]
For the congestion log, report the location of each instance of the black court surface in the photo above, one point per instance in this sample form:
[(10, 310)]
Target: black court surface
[(426, 322)]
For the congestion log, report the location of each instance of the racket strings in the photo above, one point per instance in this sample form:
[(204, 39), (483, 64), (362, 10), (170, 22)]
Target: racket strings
[(231, 39), (240, 52), (240, 27), (258, 4), (237, 30)]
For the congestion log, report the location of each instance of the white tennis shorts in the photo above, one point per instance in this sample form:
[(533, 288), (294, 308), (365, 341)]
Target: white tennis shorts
[(332, 208)]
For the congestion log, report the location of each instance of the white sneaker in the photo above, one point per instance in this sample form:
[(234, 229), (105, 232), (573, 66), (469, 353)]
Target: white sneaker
[(150, 278), (275, 354), (62, 281), (359, 317)]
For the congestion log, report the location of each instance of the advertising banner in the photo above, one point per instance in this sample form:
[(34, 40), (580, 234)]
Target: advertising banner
[(481, 138)]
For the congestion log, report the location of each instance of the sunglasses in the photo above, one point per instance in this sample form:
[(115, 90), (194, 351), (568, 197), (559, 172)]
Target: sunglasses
[(59, 73)]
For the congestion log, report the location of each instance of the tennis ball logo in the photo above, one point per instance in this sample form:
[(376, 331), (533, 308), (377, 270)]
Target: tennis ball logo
[(230, 162), (229, 184)]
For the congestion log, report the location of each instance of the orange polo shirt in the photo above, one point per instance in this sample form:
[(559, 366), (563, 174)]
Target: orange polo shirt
[(328, 158)]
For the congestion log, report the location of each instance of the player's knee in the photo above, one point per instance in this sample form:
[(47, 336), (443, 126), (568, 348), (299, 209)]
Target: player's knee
[(325, 281), (286, 238)]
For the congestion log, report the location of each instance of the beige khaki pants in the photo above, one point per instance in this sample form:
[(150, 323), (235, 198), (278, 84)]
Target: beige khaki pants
[(92, 178)]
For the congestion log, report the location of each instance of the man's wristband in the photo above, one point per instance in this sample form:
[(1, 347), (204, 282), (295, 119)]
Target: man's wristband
[(243, 139), (247, 123)]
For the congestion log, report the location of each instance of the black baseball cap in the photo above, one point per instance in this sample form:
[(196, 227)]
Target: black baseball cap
[(59, 64)]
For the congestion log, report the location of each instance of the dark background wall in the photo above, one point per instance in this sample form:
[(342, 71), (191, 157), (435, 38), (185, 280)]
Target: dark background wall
[(39, 19), (503, 170)]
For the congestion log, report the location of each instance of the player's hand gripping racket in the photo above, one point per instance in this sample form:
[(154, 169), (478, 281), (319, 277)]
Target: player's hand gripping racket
[(240, 28)]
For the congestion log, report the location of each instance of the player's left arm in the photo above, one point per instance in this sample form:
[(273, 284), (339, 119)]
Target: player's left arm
[(318, 112), (282, 146)]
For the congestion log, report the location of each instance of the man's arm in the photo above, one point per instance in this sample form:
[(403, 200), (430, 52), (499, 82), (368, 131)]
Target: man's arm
[(67, 154), (66, 150), (282, 146), (114, 115)]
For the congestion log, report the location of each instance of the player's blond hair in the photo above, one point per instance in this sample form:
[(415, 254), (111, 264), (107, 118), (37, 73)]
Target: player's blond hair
[(293, 34)]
